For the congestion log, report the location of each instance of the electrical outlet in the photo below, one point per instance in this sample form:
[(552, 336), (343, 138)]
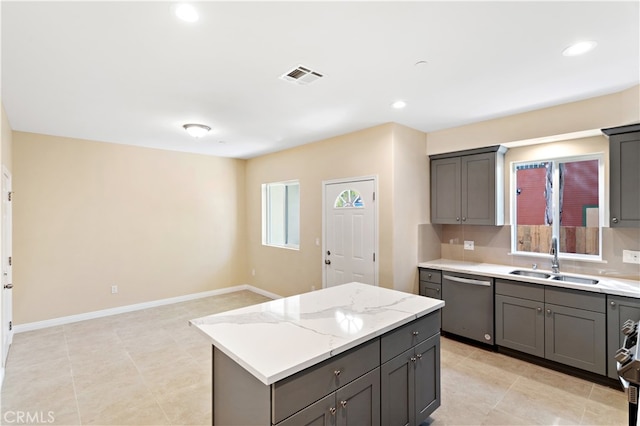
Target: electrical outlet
[(631, 256), (468, 245), (114, 289)]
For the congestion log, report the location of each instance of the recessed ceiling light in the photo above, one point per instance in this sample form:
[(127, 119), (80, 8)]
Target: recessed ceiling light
[(186, 12), (579, 48), (399, 104), (196, 130)]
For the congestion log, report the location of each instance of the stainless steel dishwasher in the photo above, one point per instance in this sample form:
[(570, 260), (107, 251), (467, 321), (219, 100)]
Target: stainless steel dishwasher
[(468, 309)]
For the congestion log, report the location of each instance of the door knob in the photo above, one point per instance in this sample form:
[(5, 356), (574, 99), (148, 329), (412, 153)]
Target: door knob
[(8, 286), (327, 262)]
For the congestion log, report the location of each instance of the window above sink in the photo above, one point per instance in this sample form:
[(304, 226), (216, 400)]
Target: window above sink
[(560, 197)]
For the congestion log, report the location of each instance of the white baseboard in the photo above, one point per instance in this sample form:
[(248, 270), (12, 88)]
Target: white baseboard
[(37, 325)]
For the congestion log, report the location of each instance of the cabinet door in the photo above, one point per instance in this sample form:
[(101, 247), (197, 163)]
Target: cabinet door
[(445, 190), (619, 309), (520, 324), (358, 403), (427, 378), (623, 182), (478, 189), (320, 413), (397, 390), (576, 337), (430, 290)]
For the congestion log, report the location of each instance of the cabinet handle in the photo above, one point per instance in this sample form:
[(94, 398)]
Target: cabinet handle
[(548, 311), (343, 403), (336, 373), (332, 410), (613, 303), (539, 309), (415, 333), (614, 220)]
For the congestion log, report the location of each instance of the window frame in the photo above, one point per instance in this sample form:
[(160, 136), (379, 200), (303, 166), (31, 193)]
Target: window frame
[(555, 230), (267, 219)]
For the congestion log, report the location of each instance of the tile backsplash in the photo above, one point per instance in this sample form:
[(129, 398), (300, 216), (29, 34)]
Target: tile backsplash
[(492, 244)]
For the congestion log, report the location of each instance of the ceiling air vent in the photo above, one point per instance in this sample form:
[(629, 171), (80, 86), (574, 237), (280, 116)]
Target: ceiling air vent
[(301, 75)]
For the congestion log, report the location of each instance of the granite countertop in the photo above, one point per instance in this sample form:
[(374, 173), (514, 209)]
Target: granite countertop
[(276, 339), (619, 287)]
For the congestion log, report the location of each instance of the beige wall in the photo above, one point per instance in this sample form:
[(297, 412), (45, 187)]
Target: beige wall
[(363, 153), (410, 203), (89, 215), (595, 113)]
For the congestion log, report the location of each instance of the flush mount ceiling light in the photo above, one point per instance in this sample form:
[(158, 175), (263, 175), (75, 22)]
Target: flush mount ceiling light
[(196, 130), (399, 104), (186, 12), (579, 48)]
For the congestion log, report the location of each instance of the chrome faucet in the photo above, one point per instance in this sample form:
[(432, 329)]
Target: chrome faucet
[(555, 264)]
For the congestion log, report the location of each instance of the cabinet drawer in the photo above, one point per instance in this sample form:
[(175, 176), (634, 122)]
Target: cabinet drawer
[(402, 339), (431, 275), (430, 290), (578, 299), (300, 390), (520, 290)]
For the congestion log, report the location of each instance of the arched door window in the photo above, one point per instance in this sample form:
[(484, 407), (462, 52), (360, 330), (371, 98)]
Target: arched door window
[(349, 198)]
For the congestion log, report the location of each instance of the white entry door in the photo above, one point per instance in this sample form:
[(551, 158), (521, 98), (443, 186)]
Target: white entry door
[(350, 227), (7, 329)]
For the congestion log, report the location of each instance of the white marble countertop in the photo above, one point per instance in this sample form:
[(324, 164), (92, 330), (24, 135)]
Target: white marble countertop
[(619, 287), (276, 339)]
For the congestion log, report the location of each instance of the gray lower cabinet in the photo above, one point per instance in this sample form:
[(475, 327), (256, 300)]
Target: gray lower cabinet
[(520, 324), (357, 403), (410, 384), (619, 310), (563, 325), (356, 387), (430, 283)]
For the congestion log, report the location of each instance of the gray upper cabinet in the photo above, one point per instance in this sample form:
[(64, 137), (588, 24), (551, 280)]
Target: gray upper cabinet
[(624, 180), (467, 187)]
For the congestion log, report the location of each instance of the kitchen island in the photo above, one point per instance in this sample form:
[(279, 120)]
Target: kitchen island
[(350, 354)]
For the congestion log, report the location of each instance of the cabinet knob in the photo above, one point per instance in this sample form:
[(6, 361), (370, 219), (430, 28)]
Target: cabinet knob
[(457, 219), (415, 333), (429, 275), (419, 356), (336, 373), (539, 309), (413, 359), (614, 219), (464, 219), (548, 311), (332, 410), (343, 403), (437, 290), (612, 303)]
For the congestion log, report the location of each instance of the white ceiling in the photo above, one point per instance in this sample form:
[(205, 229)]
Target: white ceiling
[(131, 73)]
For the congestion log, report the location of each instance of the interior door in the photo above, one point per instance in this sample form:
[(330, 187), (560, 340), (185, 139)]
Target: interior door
[(349, 232), (7, 329)]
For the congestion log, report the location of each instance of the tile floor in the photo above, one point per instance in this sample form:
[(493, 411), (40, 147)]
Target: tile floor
[(149, 367)]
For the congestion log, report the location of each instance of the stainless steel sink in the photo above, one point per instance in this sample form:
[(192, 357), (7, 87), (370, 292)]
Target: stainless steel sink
[(532, 274), (576, 280)]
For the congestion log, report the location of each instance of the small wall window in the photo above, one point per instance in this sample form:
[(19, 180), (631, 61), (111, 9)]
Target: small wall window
[(281, 214), (562, 198), (349, 198)]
